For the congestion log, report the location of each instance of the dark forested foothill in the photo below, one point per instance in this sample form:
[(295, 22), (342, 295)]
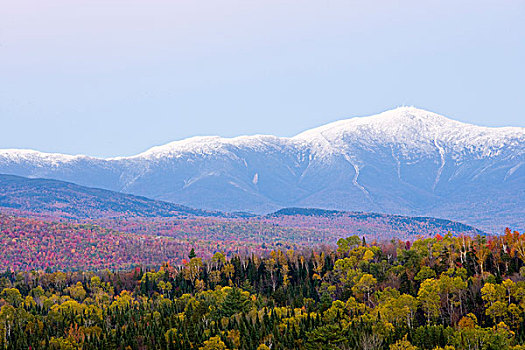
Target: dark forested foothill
[(443, 292)]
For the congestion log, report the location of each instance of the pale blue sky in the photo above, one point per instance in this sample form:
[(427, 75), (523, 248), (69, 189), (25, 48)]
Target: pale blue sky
[(107, 78)]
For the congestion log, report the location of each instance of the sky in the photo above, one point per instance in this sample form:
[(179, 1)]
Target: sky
[(116, 77)]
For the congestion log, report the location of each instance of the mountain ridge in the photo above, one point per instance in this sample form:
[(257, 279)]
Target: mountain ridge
[(393, 116), (71, 201), (405, 161)]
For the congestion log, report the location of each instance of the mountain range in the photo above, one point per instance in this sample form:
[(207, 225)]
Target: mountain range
[(405, 161), (52, 201)]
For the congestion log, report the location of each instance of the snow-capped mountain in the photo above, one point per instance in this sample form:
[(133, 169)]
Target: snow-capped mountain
[(404, 161)]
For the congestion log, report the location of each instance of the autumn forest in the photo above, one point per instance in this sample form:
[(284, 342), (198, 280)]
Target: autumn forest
[(441, 292)]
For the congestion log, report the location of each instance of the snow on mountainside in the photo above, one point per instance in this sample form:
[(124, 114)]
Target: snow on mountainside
[(212, 145), (404, 161), (24, 155), (417, 130)]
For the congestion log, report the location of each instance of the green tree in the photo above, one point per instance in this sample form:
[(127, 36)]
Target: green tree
[(327, 337), (425, 273), (235, 301)]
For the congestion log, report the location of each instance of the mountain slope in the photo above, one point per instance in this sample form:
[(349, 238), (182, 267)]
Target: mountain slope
[(54, 199), (64, 199), (405, 161)]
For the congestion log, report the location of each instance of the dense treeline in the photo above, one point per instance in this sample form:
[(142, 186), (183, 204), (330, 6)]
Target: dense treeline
[(29, 244), (57, 244), (434, 293)]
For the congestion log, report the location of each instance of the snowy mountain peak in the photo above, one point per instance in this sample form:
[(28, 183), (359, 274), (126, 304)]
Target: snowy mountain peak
[(402, 117), (413, 128), (406, 118)]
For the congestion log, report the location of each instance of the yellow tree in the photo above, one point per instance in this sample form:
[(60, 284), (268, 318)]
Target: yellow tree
[(318, 262), (397, 308), (214, 343), (364, 284), (218, 259), (7, 321), (192, 269), (481, 251), (12, 296), (493, 295), (229, 271), (452, 289), (271, 265), (403, 344), (428, 297), (519, 245), (77, 291)]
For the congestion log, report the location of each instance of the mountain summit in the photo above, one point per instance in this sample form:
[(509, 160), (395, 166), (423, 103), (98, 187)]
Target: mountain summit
[(404, 161)]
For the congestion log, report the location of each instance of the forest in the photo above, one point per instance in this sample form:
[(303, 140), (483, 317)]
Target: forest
[(441, 292), (53, 243)]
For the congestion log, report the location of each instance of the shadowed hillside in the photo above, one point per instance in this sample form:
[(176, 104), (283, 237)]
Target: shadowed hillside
[(65, 199)]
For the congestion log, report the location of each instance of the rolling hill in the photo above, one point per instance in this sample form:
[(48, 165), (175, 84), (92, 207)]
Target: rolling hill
[(67, 200)]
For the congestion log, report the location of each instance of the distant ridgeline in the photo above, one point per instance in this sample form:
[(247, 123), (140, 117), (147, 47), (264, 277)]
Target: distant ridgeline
[(321, 218)]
